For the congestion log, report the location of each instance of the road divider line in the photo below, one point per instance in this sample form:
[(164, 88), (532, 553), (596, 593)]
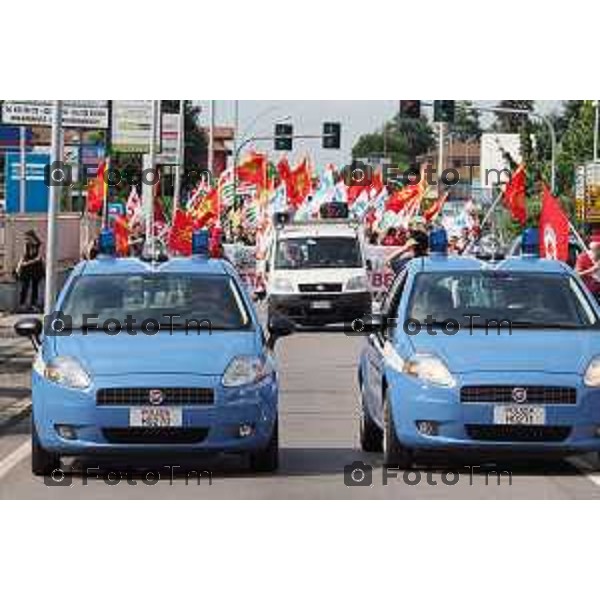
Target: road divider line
[(586, 468), (14, 458)]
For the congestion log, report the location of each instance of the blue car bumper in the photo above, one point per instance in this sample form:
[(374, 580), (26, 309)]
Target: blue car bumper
[(100, 429), (568, 428)]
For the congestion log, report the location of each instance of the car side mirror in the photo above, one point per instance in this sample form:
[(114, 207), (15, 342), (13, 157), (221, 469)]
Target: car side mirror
[(279, 326), (30, 327)]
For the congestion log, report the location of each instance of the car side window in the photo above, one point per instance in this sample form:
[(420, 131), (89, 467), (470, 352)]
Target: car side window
[(392, 300)]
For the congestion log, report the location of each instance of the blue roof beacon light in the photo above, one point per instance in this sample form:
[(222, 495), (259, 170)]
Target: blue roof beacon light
[(200, 243), (530, 243), (106, 242), (438, 242)]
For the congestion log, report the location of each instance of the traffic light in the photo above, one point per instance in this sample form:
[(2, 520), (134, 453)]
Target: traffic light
[(169, 106), (332, 133), (443, 111), (410, 109), (283, 136)]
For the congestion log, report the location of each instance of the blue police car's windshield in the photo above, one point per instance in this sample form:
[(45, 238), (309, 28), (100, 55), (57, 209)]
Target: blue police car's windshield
[(213, 299), (318, 252), (535, 300)]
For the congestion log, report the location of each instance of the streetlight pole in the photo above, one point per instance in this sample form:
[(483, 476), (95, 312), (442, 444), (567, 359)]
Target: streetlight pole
[(53, 199), (596, 124), (211, 137), (23, 174)]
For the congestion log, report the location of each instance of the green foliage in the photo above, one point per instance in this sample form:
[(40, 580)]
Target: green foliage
[(466, 124), (401, 139), (512, 123)]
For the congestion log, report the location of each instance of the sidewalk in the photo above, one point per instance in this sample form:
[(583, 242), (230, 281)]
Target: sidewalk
[(15, 372)]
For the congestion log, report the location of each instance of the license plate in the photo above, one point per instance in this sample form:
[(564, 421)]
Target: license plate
[(519, 415), (155, 416), (321, 304)]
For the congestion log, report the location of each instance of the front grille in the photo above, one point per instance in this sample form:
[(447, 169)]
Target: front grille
[(320, 287), (518, 433), (536, 394), (155, 435), (141, 396)]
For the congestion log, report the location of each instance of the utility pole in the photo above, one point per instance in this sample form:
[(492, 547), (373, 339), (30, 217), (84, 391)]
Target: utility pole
[(53, 199), (440, 165), (23, 173), (150, 164), (179, 167), (211, 137)]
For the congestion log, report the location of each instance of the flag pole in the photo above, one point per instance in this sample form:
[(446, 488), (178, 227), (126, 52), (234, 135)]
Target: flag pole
[(55, 157), (180, 157)]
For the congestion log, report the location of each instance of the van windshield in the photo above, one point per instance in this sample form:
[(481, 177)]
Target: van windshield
[(318, 252)]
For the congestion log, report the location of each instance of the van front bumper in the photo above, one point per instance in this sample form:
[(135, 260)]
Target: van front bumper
[(321, 308)]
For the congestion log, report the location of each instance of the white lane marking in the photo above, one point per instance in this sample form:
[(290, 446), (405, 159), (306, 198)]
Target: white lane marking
[(586, 468), (14, 458)]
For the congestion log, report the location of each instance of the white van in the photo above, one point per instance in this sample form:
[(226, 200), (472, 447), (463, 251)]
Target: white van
[(316, 273)]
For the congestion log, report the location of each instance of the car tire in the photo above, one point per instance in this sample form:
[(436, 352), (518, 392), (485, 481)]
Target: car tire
[(371, 436), (267, 460), (394, 452), (42, 461)]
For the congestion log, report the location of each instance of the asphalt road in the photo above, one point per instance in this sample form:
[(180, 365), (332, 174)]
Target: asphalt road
[(319, 438)]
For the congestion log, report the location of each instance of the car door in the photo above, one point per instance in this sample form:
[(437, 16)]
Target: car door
[(373, 384)]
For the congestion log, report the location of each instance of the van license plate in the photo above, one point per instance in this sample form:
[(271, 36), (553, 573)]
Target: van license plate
[(519, 415), (155, 416), (321, 304)]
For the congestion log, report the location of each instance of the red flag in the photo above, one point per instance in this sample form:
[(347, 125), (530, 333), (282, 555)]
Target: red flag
[(554, 228), (301, 183), (254, 170), (180, 235), (285, 174), (434, 210), (514, 195), (96, 190), (121, 229)]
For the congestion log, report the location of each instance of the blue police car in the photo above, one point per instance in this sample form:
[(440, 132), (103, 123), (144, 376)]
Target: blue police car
[(473, 355), (144, 356)]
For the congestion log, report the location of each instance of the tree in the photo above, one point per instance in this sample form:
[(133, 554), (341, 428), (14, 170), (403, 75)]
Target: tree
[(466, 124), (512, 122), (401, 140)]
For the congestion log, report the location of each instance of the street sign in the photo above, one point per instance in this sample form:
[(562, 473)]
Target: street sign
[(170, 132), (80, 114), (37, 190), (132, 126)]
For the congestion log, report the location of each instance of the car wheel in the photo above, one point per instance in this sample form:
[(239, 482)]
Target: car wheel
[(394, 452), (42, 461), (267, 460), (371, 436)]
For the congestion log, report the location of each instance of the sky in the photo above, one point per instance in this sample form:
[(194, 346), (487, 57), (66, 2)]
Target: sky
[(257, 118)]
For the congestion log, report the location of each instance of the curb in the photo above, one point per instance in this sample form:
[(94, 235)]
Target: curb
[(14, 413)]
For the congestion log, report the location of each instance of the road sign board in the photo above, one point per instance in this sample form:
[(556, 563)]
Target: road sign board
[(37, 190), (80, 114), (132, 126)]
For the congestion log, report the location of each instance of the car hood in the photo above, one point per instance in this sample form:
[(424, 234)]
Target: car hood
[(524, 350), (200, 354)]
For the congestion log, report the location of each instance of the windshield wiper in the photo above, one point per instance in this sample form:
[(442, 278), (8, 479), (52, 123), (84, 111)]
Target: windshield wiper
[(533, 325)]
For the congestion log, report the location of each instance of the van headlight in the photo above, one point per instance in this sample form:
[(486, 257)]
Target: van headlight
[(63, 370), (359, 283), (592, 373), (246, 370), (281, 285), (430, 369)]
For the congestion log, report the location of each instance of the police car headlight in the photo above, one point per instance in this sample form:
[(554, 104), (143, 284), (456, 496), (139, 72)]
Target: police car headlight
[(357, 284), (64, 370), (245, 370), (430, 369), (592, 373), (281, 285)]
